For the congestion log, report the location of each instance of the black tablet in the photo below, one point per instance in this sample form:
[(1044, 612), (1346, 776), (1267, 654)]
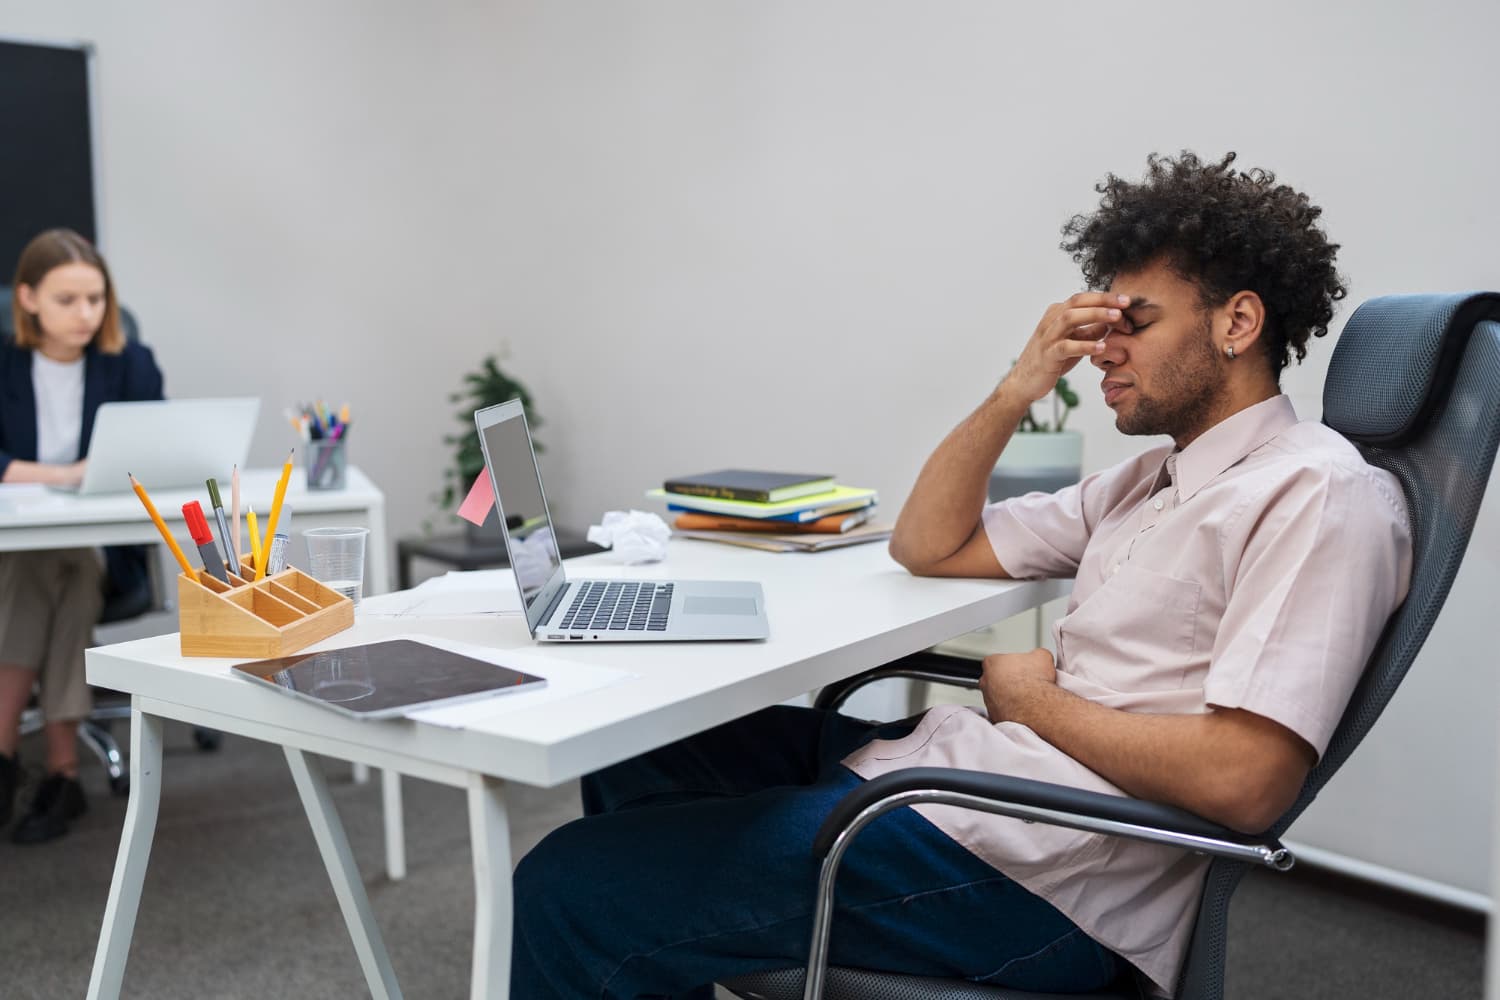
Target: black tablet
[(387, 679)]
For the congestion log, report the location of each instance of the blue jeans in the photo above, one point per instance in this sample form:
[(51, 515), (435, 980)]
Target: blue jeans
[(693, 864)]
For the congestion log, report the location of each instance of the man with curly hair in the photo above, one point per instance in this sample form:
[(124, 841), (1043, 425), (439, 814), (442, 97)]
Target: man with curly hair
[(1229, 587)]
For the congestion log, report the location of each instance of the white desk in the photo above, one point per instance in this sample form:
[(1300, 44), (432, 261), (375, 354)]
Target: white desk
[(53, 520), (832, 614)]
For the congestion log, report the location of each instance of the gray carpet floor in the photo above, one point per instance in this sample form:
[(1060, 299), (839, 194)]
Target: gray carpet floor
[(237, 904)]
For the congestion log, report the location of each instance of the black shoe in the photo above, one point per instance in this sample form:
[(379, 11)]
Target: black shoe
[(10, 780), (58, 802)]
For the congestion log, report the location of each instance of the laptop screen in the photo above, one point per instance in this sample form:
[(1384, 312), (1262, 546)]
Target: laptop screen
[(508, 455)]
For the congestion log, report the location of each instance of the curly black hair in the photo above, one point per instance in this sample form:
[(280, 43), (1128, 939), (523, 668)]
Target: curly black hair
[(1226, 230)]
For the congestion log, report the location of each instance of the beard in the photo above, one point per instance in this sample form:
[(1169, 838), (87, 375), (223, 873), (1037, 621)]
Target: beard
[(1186, 394)]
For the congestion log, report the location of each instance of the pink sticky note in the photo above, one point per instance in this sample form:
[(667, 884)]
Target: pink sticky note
[(476, 506)]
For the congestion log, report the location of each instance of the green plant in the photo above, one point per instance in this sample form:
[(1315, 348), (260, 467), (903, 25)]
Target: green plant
[(485, 387), (1064, 399)]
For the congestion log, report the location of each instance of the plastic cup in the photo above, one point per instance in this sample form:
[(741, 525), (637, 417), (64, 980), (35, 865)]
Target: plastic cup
[(336, 558), (326, 462)]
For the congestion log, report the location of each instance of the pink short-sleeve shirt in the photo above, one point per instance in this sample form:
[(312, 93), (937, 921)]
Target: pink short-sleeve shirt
[(1254, 569)]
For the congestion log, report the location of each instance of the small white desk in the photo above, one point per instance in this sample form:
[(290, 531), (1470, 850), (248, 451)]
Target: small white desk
[(832, 615), (55, 520)]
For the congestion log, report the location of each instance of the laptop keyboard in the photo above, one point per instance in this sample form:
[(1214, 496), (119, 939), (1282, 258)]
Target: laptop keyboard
[(616, 606)]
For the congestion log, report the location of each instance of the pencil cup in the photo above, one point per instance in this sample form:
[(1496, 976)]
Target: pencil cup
[(326, 463), (254, 619), (336, 558)]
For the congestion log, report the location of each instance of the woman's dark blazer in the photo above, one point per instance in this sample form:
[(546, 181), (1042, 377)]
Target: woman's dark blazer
[(107, 378)]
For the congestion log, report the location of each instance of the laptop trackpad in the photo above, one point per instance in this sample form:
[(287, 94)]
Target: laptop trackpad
[(719, 606)]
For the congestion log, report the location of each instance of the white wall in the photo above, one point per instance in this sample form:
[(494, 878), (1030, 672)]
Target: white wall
[(814, 234), (801, 234)]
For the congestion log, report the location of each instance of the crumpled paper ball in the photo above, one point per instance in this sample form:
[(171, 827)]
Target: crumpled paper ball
[(637, 536)]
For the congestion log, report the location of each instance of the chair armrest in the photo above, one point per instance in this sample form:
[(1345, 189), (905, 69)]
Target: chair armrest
[(938, 668), (1043, 802), (1033, 801)]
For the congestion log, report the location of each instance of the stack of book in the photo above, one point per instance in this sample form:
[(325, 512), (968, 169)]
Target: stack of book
[(776, 511)]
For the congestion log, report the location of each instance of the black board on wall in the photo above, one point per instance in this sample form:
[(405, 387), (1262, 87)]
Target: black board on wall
[(46, 145)]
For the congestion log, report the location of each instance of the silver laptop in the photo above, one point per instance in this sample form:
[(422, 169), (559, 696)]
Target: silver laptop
[(614, 610), (168, 443)]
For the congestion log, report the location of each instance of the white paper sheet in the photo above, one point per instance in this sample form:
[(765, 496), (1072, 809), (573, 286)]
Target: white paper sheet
[(476, 592), (564, 680), (419, 603), (28, 498), (476, 579)]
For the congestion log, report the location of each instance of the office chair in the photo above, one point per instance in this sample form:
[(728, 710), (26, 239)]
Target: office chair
[(119, 605), (1414, 383)]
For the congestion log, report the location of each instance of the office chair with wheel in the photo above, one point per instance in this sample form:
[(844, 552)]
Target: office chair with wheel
[(1414, 383), (119, 605)]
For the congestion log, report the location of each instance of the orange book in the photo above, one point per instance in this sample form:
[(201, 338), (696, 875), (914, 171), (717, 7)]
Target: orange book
[(833, 524)]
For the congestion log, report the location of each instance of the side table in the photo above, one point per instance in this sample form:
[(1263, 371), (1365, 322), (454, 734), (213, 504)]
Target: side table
[(457, 550)]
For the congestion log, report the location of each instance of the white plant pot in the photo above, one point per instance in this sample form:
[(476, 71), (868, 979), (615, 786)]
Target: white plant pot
[(1044, 461), (1043, 450)]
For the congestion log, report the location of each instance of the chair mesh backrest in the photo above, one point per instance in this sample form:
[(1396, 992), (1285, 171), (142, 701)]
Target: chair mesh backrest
[(1441, 446)]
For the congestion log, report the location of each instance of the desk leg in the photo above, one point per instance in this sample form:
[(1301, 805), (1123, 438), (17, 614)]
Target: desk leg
[(395, 825), (395, 832), (323, 817), (135, 851), (489, 832)]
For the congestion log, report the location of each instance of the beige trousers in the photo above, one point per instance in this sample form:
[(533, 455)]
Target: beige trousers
[(49, 602)]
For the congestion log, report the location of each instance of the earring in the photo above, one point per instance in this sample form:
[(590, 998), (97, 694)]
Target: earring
[(1229, 350)]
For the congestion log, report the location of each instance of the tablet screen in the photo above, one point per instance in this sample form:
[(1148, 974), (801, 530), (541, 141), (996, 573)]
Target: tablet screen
[(384, 679)]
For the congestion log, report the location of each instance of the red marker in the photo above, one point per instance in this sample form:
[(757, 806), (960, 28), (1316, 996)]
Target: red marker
[(197, 526)]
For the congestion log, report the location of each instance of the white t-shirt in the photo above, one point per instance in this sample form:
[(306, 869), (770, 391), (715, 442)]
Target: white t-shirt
[(58, 387)]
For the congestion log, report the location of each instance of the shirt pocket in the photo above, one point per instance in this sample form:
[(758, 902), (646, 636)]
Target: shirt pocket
[(1135, 633)]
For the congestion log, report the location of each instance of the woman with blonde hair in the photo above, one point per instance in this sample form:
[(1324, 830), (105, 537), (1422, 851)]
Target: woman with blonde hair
[(69, 354)]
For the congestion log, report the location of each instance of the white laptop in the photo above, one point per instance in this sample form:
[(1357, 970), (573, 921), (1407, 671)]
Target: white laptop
[(611, 610), (167, 443)]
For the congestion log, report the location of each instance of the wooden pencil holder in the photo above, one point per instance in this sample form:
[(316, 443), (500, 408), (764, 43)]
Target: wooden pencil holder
[(274, 616)]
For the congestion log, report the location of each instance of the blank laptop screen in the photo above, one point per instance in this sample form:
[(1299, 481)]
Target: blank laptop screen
[(533, 550)]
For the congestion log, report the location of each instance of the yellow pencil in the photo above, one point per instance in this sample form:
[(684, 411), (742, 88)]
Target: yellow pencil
[(280, 495), (254, 535), (161, 526)]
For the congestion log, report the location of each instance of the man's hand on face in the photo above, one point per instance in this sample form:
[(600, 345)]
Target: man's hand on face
[(1068, 332), (1009, 681)]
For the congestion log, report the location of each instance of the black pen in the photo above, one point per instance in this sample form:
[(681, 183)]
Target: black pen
[(224, 539)]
